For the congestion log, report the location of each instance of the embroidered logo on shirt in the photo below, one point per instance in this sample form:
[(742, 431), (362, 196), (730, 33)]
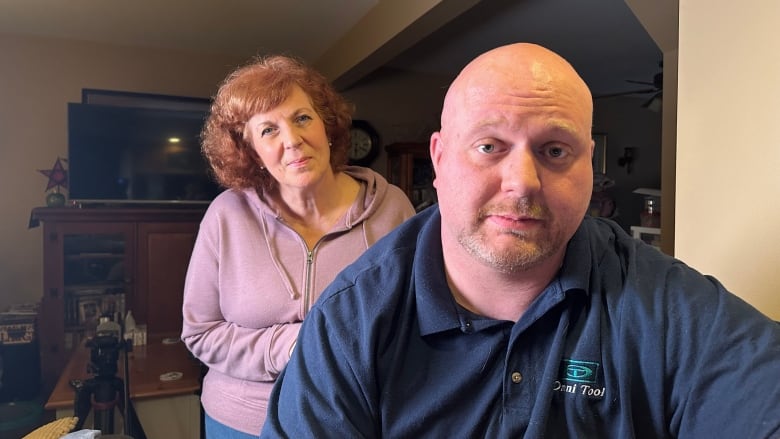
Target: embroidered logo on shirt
[(579, 371), (579, 377)]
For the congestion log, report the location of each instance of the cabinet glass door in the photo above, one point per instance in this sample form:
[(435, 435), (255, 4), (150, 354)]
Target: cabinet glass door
[(96, 279)]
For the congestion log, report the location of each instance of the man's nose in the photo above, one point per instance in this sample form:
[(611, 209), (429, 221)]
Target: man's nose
[(520, 172)]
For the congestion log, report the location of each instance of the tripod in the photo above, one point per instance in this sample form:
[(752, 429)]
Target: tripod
[(102, 395), (105, 392)]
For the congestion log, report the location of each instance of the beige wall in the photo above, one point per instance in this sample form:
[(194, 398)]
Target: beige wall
[(38, 77), (401, 106), (728, 146)]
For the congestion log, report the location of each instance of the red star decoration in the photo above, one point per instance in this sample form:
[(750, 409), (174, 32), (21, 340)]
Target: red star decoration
[(58, 176)]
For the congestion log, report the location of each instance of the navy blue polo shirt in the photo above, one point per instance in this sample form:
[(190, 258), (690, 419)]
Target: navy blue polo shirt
[(624, 342)]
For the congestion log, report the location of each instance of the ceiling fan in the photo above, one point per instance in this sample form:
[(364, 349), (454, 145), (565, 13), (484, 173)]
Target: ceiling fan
[(656, 87)]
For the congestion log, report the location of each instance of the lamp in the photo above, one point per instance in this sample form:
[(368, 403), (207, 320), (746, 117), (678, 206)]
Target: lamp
[(627, 159)]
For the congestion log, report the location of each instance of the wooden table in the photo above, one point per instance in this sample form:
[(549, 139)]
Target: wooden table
[(158, 403)]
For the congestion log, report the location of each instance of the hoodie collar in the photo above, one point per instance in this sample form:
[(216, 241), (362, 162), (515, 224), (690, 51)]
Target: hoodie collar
[(373, 188)]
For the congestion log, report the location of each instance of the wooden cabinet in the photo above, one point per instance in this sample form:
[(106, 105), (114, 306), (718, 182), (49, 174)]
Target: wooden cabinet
[(109, 260), (409, 167)]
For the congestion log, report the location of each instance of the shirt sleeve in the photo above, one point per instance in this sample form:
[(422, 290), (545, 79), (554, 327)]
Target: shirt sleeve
[(319, 394), (724, 361), (250, 353)]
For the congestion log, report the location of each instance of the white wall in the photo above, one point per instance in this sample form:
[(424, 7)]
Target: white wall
[(728, 145)]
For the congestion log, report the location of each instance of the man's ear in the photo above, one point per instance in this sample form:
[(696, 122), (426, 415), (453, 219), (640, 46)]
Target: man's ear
[(435, 150)]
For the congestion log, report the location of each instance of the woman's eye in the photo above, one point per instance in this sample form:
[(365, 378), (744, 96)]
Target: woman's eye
[(486, 148), (303, 118), (266, 131)]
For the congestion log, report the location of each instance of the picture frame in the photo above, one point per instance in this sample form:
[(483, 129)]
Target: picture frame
[(89, 311), (600, 153)]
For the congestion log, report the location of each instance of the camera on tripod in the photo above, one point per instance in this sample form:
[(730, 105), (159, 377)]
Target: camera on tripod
[(105, 392), (104, 349)]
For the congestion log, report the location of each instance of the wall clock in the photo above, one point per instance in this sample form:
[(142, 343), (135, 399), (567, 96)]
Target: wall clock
[(365, 143)]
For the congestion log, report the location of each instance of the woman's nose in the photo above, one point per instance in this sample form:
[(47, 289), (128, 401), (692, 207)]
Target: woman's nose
[(291, 137)]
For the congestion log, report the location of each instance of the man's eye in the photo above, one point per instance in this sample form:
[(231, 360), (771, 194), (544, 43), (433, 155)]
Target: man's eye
[(487, 148), (556, 152)]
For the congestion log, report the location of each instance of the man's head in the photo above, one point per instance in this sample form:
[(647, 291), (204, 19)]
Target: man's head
[(513, 158)]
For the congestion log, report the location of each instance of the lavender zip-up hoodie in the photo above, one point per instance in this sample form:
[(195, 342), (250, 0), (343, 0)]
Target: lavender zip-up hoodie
[(252, 279)]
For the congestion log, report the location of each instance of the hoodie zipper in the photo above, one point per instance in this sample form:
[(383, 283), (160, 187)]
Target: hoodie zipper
[(308, 287)]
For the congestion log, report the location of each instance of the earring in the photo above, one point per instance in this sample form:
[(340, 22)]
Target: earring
[(330, 143)]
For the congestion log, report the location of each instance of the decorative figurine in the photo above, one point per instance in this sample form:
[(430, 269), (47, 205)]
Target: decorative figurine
[(58, 178)]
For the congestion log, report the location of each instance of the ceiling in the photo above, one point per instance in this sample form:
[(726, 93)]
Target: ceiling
[(601, 38)]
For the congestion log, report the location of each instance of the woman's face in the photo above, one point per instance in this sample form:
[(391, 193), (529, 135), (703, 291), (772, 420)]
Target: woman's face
[(291, 141)]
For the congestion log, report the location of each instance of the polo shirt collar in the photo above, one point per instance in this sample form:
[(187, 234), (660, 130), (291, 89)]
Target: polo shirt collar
[(437, 310), (577, 263)]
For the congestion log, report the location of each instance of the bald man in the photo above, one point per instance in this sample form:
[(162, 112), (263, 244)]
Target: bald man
[(505, 312)]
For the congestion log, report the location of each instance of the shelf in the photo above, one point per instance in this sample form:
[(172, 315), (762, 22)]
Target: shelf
[(649, 235), (650, 192), (77, 256), (95, 288), (638, 230), (409, 167)]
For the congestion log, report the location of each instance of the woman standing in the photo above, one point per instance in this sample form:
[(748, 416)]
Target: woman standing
[(293, 216)]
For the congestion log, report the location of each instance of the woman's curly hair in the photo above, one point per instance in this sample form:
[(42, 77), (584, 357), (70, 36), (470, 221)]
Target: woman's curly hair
[(259, 87)]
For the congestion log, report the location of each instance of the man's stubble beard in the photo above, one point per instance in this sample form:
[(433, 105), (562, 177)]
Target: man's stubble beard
[(530, 248)]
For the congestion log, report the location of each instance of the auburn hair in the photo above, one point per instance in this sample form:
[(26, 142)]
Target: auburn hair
[(257, 87)]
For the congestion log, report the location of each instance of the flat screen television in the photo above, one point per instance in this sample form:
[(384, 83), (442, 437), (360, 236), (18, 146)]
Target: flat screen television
[(127, 154)]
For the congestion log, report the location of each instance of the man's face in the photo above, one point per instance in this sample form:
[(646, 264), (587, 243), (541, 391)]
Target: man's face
[(513, 170)]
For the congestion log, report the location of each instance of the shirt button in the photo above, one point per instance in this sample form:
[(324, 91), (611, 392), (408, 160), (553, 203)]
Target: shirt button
[(516, 377)]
